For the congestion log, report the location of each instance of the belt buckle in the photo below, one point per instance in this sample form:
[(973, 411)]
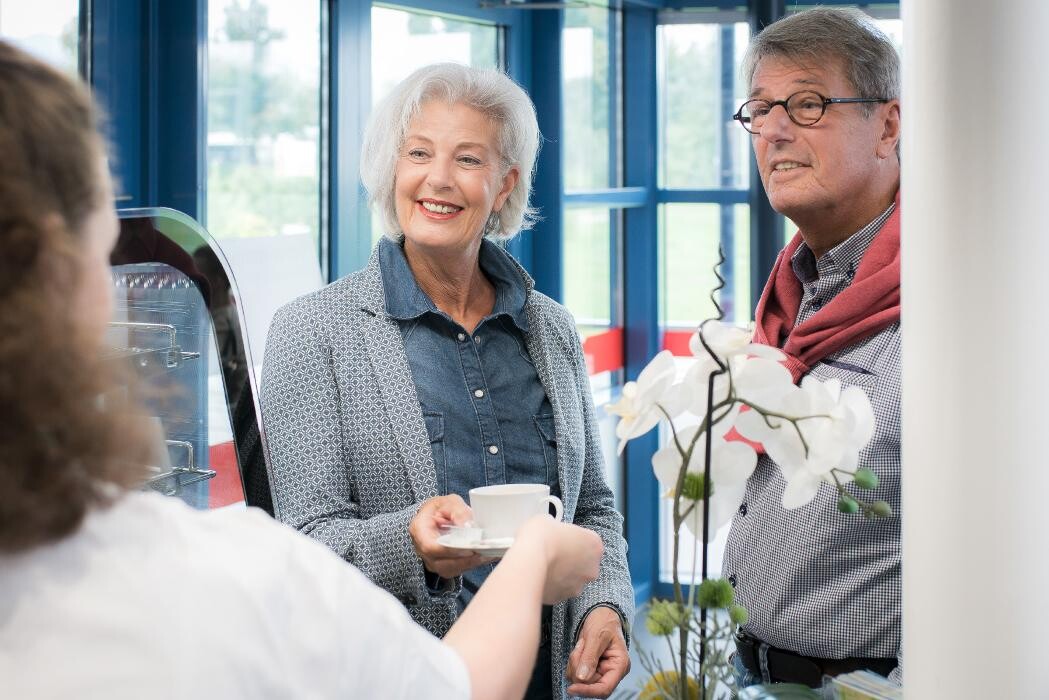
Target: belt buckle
[(747, 647)]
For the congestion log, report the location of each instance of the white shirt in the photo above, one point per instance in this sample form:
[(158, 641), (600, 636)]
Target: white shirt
[(151, 599)]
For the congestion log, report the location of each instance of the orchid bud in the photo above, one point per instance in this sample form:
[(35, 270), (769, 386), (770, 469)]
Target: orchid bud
[(865, 478), (881, 509), (848, 504)]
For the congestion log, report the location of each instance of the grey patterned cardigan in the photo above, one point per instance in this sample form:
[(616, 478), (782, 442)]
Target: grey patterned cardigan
[(351, 459)]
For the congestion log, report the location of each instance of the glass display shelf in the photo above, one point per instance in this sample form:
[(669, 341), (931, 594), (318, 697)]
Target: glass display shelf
[(178, 324)]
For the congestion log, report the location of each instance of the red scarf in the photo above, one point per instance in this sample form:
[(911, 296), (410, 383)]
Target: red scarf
[(868, 305)]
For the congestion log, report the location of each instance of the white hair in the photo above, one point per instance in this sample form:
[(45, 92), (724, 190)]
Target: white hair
[(490, 92)]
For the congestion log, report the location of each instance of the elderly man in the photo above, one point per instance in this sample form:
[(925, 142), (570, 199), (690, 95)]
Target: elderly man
[(823, 588)]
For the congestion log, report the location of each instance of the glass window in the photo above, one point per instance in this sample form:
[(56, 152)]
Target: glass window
[(403, 40), (48, 29), (589, 97), (701, 148), (587, 252), (689, 235), (265, 138), (699, 89), (586, 92), (264, 119)]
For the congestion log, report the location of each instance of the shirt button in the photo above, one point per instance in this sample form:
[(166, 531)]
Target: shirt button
[(461, 336), (732, 580), (479, 393), (817, 304), (743, 509), (492, 449), (477, 339)]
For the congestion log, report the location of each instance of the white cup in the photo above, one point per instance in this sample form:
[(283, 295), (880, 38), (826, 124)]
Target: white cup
[(500, 510)]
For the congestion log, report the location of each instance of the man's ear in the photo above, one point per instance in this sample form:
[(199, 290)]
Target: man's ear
[(890, 134)]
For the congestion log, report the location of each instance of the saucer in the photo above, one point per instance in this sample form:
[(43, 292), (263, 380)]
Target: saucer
[(493, 548)]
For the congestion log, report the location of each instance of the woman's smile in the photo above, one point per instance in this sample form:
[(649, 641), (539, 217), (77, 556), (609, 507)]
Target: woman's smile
[(438, 210)]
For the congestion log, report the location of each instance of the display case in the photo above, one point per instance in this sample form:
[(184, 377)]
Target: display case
[(178, 323)]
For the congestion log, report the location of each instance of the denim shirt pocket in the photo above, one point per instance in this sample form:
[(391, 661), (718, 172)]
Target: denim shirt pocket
[(544, 424), (435, 429)]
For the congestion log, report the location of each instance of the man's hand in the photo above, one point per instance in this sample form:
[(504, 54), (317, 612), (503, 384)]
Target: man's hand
[(600, 658), (425, 528)]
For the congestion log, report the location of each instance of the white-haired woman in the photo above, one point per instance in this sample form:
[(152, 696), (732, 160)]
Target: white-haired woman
[(438, 368)]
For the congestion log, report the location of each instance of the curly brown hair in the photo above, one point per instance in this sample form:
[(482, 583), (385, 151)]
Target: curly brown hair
[(71, 437)]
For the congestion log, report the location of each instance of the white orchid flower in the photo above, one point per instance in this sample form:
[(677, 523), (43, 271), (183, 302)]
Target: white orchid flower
[(834, 425), (731, 464), (755, 380), (761, 381), (727, 341), (696, 379), (642, 403)]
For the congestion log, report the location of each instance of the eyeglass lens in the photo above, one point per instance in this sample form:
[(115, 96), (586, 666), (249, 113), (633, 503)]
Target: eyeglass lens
[(804, 108)]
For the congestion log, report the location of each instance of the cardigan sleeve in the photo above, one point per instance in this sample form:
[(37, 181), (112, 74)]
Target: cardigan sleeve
[(309, 471), (596, 510)]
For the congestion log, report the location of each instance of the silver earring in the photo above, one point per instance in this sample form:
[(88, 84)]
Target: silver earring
[(493, 224)]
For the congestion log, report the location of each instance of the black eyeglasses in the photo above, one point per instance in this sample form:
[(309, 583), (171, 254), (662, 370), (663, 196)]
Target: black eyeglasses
[(804, 108)]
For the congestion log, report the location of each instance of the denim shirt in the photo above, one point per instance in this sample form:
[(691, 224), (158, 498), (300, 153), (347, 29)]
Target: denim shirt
[(486, 412)]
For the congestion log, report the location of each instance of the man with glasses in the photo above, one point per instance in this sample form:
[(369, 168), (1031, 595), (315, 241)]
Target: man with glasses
[(822, 587)]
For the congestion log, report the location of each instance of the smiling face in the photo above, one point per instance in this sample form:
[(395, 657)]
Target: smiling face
[(449, 178), (836, 171)]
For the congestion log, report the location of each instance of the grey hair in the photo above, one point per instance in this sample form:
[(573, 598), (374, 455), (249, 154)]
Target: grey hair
[(490, 92), (871, 63)]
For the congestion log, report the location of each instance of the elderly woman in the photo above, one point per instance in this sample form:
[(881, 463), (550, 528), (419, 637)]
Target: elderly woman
[(438, 368)]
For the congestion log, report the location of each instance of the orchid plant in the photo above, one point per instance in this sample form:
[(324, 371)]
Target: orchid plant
[(744, 400)]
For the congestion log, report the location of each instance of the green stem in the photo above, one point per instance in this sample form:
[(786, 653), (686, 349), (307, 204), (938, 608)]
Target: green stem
[(766, 414)]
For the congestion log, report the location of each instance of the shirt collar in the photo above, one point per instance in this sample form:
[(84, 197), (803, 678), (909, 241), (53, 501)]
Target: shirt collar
[(843, 258), (405, 300)]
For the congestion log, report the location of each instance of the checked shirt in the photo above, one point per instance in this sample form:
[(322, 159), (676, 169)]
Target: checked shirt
[(815, 581)]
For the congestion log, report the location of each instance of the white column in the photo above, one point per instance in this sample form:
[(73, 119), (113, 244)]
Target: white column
[(976, 349)]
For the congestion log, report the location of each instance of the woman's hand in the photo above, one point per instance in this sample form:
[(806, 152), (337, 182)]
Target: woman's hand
[(573, 555), (425, 528)]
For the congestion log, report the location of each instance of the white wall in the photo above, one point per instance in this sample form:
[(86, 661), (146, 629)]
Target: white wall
[(976, 375)]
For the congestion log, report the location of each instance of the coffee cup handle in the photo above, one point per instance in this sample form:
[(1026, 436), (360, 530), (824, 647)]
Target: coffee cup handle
[(559, 508)]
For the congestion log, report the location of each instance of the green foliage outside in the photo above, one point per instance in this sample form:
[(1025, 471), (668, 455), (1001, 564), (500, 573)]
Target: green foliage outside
[(688, 250), (585, 104), (690, 144), (586, 270), (586, 276), (252, 103), (689, 106)]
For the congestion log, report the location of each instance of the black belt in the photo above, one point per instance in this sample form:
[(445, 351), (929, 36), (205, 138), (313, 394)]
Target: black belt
[(787, 667)]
